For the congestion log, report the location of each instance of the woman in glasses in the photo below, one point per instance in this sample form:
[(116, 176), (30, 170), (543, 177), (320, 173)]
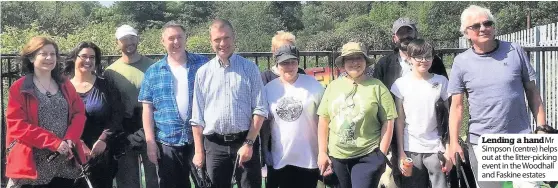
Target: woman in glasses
[(103, 110), (293, 99), (416, 95), (356, 119), (497, 77), (44, 118)]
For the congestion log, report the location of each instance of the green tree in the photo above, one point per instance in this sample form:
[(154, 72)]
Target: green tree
[(109, 15), (189, 13), (13, 39), (101, 34), (55, 17), (385, 13), (18, 14), (545, 12), (144, 14), (289, 14), (253, 23), (150, 42)]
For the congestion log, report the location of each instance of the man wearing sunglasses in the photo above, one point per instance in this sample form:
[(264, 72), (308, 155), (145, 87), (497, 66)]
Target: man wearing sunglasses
[(391, 67), (494, 75)]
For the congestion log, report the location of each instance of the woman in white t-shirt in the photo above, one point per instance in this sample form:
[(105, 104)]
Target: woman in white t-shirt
[(416, 95), (293, 100)]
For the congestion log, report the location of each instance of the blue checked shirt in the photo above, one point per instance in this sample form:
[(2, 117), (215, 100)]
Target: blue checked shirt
[(157, 88), (226, 98)]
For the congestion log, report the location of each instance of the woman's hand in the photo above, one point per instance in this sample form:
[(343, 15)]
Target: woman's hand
[(324, 164), (98, 148), (63, 148), (86, 151), (448, 165)]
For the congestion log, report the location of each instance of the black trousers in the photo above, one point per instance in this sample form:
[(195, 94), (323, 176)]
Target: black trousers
[(292, 177), (174, 166), (102, 171), (361, 172), (220, 158)]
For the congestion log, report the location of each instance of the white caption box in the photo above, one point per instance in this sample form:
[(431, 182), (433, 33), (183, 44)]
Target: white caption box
[(517, 157)]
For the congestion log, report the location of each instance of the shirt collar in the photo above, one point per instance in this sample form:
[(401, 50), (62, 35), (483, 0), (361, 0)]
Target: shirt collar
[(231, 60), (401, 61), (189, 59)]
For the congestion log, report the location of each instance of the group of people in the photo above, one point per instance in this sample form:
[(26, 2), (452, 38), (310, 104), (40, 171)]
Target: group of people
[(223, 116)]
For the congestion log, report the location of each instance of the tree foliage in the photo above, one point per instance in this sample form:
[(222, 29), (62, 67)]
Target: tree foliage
[(317, 25)]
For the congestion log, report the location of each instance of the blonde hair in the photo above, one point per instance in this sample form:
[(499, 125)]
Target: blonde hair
[(471, 11), (280, 38)]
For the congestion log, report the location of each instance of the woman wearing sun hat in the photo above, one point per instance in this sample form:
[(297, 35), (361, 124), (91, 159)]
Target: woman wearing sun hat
[(356, 117)]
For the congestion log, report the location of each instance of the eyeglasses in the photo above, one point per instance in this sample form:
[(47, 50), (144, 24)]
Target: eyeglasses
[(477, 26), (422, 59), (85, 57)]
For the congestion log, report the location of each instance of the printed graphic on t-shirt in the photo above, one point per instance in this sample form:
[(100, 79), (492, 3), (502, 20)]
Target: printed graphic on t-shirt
[(289, 109), (348, 112)]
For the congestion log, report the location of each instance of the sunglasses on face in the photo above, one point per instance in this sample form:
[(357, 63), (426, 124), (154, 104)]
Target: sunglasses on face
[(477, 26)]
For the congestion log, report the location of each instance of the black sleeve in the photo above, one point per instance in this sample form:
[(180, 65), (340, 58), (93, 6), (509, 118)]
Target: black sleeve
[(379, 68), (264, 78), (438, 67), (114, 120)]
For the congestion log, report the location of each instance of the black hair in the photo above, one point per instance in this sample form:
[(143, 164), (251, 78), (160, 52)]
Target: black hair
[(69, 63), (419, 47)]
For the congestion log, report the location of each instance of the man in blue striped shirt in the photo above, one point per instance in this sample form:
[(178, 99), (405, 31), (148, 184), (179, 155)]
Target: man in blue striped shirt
[(166, 93), (228, 112)]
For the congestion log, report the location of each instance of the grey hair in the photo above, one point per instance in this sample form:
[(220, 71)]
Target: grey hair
[(473, 10)]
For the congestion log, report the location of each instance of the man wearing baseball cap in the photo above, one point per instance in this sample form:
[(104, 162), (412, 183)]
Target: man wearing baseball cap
[(127, 74), (391, 67)]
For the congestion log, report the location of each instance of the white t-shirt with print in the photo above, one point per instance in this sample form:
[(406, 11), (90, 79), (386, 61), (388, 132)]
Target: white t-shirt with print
[(419, 103), (294, 121)]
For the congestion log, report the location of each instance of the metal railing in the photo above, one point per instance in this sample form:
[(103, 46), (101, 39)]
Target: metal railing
[(320, 65)]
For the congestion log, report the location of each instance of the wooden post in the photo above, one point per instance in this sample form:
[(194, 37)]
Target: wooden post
[(528, 18)]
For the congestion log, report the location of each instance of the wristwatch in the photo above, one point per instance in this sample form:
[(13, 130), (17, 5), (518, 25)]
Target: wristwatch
[(249, 142)]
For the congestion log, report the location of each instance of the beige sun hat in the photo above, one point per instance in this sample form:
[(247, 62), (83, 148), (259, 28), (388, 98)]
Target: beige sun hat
[(352, 48)]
